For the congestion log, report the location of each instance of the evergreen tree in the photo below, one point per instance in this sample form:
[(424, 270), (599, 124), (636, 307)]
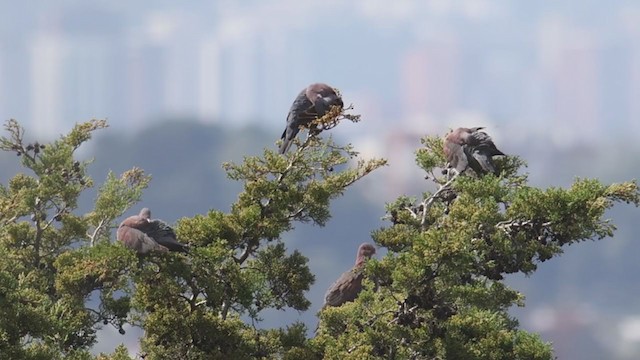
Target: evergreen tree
[(439, 292), (189, 305), (54, 260)]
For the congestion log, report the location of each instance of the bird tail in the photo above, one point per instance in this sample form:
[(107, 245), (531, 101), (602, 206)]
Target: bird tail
[(286, 143)]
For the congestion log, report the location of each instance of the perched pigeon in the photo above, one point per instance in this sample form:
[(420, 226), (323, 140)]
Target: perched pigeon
[(142, 234), (310, 104), (464, 147), (349, 284)]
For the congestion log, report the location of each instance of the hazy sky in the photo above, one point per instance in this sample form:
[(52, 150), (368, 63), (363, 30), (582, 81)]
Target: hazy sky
[(423, 65), (567, 71)]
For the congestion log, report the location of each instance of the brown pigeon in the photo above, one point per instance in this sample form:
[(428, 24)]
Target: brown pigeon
[(349, 284), (144, 235), (312, 103), (464, 148)]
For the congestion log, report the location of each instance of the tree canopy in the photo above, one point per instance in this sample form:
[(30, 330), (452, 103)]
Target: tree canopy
[(437, 293)]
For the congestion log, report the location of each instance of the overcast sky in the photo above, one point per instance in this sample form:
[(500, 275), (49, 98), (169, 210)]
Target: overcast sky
[(409, 67)]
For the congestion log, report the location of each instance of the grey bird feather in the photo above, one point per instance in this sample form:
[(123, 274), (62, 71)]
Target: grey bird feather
[(143, 235), (312, 103), (470, 147), (349, 284)]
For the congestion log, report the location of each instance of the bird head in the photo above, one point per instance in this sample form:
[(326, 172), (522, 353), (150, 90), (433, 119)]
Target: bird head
[(325, 93), (460, 135), (145, 213), (365, 251)]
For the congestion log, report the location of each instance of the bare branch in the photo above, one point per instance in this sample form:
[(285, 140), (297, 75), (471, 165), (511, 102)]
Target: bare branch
[(510, 226), (428, 202), (245, 254), (410, 210), (92, 237), (225, 309)]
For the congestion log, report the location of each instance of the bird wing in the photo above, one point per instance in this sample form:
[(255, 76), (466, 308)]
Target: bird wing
[(480, 151), (136, 222), (164, 235), (480, 140), (138, 241), (301, 113), (480, 161), (345, 289)]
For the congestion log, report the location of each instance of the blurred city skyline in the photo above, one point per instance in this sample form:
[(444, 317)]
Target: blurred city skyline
[(423, 66), (565, 72)]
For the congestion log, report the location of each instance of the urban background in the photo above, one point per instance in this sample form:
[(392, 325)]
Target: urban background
[(188, 85)]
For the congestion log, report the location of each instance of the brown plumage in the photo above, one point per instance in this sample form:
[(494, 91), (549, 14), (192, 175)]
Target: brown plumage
[(312, 103), (349, 284), (144, 235), (470, 147)]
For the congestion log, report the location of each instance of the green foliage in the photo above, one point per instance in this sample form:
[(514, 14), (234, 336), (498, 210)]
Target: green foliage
[(238, 264), (120, 353), (284, 278), (115, 194), (58, 261), (49, 269), (440, 291)]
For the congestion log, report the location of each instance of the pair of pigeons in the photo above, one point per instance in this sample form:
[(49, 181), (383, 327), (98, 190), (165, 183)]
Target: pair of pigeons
[(145, 235), (464, 147), (312, 103)]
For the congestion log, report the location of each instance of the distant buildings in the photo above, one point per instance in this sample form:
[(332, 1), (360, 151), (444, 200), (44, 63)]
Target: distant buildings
[(137, 64)]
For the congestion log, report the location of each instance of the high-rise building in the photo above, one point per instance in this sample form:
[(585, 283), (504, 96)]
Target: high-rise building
[(47, 55), (209, 84), (570, 64), (429, 77), (575, 85)]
